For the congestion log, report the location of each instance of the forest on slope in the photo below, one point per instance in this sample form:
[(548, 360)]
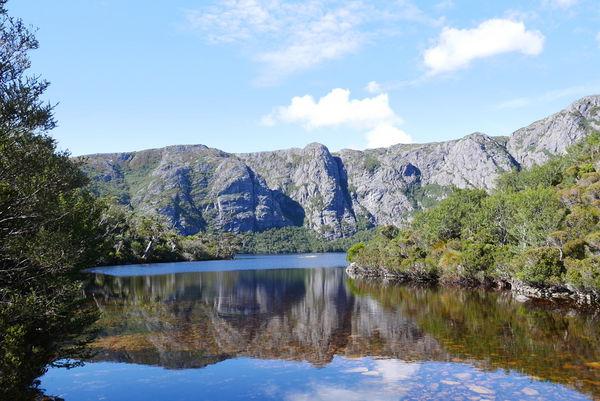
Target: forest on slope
[(538, 228)]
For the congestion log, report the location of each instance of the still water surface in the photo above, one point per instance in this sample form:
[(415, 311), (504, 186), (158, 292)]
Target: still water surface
[(295, 327)]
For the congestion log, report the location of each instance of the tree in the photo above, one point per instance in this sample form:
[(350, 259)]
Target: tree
[(447, 219), (49, 228), (534, 214), (21, 105)]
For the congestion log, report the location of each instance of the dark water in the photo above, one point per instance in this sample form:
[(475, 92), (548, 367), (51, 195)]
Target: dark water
[(300, 329)]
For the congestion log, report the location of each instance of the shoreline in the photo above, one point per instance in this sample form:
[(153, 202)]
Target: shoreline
[(522, 291)]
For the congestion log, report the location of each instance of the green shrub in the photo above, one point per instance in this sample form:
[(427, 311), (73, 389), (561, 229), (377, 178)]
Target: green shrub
[(593, 241), (582, 219), (477, 261), (592, 192), (450, 264), (354, 250), (421, 269), (533, 214), (389, 231), (447, 220), (546, 175), (584, 274), (574, 249), (539, 266)]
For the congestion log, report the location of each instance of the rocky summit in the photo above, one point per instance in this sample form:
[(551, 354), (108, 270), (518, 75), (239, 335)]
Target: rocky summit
[(198, 188)]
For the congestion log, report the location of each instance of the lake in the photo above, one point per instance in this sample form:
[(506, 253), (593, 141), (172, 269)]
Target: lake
[(295, 327)]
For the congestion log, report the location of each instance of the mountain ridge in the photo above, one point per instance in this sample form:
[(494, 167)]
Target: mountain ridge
[(334, 193)]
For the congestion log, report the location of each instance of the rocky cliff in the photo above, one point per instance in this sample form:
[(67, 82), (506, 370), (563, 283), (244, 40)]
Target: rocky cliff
[(196, 187)]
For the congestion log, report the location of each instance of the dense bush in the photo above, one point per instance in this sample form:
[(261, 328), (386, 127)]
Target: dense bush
[(354, 250), (446, 220), (540, 226), (132, 238), (539, 266), (50, 226), (296, 240), (584, 274)]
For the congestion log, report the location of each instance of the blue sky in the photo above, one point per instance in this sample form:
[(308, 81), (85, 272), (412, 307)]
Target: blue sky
[(249, 75)]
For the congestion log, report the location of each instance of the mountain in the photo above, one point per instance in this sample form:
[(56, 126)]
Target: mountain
[(198, 188)]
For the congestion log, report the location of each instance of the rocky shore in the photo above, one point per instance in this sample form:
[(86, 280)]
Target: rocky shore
[(522, 291)]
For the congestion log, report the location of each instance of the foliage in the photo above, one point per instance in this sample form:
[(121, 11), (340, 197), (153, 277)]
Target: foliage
[(21, 106), (51, 226), (354, 250), (546, 175), (584, 274), (140, 238), (539, 266), (540, 227), (445, 221), (428, 195), (296, 240)]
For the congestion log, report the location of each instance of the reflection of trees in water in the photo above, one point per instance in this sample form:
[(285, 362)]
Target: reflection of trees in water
[(288, 314), (41, 330), (190, 320), (493, 331)]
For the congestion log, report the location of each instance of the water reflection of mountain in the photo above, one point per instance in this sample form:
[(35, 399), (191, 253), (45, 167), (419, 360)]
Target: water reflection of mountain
[(194, 319), (289, 314)]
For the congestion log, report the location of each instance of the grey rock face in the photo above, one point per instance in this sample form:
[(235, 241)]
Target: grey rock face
[(242, 200), (385, 182), (315, 180), (554, 134), (195, 187)]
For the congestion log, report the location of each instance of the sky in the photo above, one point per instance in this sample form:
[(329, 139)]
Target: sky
[(252, 75)]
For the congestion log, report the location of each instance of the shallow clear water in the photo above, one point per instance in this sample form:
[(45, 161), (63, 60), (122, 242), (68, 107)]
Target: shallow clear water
[(295, 327)]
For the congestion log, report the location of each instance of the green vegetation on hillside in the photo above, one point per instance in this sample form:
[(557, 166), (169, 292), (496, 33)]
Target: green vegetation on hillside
[(137, 238), (540, 227), (297, 240)]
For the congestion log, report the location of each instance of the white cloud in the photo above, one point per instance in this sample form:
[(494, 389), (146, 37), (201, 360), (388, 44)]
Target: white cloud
[(457, 48), (329, 37), (373, 87), (336, 109), (233, 20), (291, 36), (385, 135), (320, 392)]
